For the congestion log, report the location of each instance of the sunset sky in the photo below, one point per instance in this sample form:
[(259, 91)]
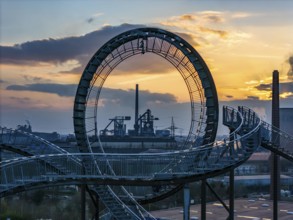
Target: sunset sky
[(45, 45)]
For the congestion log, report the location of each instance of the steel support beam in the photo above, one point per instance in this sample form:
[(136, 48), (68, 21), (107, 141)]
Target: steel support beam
[(218, 197), (95, 199), (97, 214), (186, 212), (231, 180), (82, 201), (203, 199), (231, 195), (0, 175), (275, 182)]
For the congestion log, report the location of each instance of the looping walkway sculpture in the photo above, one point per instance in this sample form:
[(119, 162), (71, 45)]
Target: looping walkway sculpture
[(44, 164)]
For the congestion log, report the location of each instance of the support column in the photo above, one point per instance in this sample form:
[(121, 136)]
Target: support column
[(95, 199), (231, 195), (186, 213), (203, 199), (231, 179), (97, 215), (82, 201), (0, 179)]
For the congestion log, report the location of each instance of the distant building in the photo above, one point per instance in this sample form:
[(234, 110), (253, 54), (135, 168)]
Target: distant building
[(52, 137), (255, 165), (286, 123), (263, 180)]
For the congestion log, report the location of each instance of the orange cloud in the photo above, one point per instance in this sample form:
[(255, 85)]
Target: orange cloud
[(221, 33)]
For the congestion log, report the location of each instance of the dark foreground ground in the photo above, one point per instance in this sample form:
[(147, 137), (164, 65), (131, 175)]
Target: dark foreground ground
[(256, 209)]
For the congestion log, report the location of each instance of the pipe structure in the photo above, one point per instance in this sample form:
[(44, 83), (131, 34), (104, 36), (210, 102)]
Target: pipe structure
[(186, 212), (203, 199), (136, 110)]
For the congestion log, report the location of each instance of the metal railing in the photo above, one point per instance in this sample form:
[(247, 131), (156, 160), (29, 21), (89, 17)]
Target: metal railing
[(276, 140), (131, 167)]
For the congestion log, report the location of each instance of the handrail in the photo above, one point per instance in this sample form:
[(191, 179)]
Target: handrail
[(36, 139)]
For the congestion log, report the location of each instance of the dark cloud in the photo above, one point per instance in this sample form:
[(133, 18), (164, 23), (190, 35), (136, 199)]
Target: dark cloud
[(213, 17), (23, 100), (284, 87), (264, 87), (189, 39), (90, 20), (2, 81), (80, 48), (59, 89), (290, 72), (229, 96), (127, 97), (253, 97), (188, 17), (108, 95), (33, 78)]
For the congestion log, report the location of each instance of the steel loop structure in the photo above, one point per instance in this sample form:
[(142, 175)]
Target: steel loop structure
[(42, 164), (194, 71)]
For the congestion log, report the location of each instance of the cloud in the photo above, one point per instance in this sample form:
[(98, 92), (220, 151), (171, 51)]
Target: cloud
[(59, 89), (253, 97), (264, 87), (33, 78), (213, 16), (90, 20), (188, 17), (26, 103), (108, 95), (242, 15), (193, 20), (23, 100), (145, 64), (284, 87), (220, 33), (207, 27), (79, 48), (229, 96), (290, 72)]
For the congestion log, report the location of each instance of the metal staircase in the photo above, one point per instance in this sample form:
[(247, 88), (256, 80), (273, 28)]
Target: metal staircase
[(276, 141), (117, 207)]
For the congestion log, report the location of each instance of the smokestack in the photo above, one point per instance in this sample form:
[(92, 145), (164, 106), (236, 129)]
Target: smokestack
[(136, 110), (275, 167)]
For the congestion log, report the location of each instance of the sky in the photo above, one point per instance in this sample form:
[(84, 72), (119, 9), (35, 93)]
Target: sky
[(45, 45)]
